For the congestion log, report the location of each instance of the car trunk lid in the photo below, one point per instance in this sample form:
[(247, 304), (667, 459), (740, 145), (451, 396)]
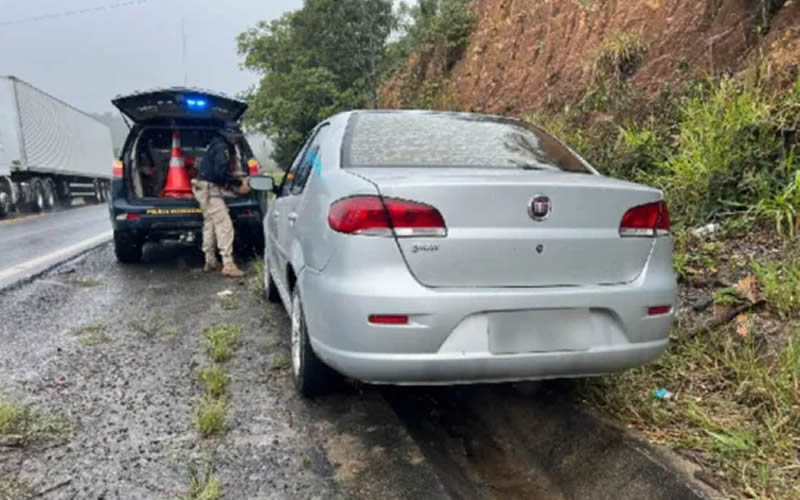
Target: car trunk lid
[(179, 103), (494, 240)]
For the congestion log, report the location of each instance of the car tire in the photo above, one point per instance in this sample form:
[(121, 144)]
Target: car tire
[(127, 248), (270, 289), (311, 376)]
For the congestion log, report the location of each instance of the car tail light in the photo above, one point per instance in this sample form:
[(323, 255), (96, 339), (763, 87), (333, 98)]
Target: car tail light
[(116, 169), (373, 216), (253, 166), (658, 310), (651, 219), (388, 319)]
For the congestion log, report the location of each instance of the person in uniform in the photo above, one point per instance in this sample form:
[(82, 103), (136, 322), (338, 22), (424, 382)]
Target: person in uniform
[(214, 175)]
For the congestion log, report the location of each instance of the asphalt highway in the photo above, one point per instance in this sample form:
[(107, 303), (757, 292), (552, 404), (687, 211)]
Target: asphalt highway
[(31, 244)]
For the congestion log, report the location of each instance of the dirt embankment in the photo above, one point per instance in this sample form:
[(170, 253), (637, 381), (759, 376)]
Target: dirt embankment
[(525, 53)]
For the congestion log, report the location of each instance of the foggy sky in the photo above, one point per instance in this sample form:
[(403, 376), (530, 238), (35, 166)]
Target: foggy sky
[(89, 58)]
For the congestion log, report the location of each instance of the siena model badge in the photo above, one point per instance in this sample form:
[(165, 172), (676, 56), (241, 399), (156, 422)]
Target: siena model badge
[(540, 207)]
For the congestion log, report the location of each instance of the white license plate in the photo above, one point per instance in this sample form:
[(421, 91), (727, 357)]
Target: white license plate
[(541, 330)]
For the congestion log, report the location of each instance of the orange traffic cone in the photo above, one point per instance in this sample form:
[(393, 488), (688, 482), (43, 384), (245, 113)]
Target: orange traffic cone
[(178, 178)]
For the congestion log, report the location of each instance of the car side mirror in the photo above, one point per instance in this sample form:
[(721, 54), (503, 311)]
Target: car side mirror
[(262, 183)]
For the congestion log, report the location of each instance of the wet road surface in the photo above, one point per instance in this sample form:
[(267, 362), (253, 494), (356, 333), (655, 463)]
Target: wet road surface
[(130, 401), (32, 243)]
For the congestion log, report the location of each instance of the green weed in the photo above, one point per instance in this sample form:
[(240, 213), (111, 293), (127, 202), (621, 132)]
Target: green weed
[(211, 416), (256, 281), (21, 426), (783, 208), (228, 303), (86, 283), (203, 485), (14, 489), (216, 380), (780, 283), (619, 56), (90, 329), (281, 363), (221, 340), (735, 403)]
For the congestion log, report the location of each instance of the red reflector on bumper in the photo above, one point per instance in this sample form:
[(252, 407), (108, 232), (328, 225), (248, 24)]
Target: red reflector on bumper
[(658, 310), (133, 216), (388, 319)]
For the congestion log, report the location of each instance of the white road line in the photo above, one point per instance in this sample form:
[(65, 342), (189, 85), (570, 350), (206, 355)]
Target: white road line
[(54, 256)]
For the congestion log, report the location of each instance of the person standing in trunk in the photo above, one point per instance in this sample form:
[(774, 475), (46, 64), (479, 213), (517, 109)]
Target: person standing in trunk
[(213, 176)]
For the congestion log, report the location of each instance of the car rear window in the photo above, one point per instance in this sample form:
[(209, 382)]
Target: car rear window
[(422, 139)]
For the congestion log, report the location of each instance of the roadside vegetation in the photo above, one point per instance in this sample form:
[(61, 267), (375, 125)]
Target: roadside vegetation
[(725, 153), (22, 426), (211, 414), (725, 150)]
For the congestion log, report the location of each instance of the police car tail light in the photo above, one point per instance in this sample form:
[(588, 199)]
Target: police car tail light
[(254, 167), (116, 169), (371, 215)]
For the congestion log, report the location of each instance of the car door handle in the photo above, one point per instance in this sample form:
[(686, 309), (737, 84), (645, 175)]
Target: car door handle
[(292, 217)]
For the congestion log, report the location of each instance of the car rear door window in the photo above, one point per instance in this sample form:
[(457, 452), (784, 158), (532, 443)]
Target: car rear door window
[(430, 139)]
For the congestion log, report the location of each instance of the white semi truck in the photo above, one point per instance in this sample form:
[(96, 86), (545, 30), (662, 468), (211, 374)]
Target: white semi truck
[(50, 152)]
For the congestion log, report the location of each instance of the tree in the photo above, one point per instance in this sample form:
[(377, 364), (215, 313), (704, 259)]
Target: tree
[(323, 58)]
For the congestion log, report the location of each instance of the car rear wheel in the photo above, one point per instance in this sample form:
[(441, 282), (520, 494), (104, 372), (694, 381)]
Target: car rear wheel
[(127, 247), (270, 289), (312, 377)]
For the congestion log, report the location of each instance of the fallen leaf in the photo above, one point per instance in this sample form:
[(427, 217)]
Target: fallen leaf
[(742, 329), (748, 288)]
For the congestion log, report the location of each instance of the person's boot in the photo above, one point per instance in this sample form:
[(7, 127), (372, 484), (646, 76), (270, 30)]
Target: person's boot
[(212, 264), (231, 271)]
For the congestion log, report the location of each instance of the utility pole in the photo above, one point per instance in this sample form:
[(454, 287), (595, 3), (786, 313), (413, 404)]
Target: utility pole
[(183, 46)]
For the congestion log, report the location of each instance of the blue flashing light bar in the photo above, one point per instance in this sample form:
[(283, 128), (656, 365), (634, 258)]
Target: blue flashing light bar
[(196, 103)]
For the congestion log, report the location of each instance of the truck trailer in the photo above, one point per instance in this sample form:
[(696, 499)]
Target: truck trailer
[(50, 152)]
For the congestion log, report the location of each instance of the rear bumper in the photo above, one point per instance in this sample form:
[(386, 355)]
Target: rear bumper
[(464, 368), (447, 340), (164, 220)]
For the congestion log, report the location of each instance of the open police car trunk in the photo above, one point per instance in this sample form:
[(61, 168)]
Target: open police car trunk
[(190, 117)]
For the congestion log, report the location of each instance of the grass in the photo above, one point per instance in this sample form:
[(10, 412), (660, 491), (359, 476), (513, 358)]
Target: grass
[(94, 339), (90, 329), (14, 489), (21, 426), (736, 405), (780, 284), (256, 281), (215, 379), (92, 334), (221, 340), (154, 327), (228, 303), (281, 363), (211, 416), (203, 485)]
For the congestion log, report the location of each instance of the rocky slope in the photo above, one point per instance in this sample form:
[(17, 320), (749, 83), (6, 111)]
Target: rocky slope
[(525, 53)]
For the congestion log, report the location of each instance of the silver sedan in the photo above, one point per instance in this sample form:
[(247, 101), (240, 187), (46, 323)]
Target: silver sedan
[(414, 247)]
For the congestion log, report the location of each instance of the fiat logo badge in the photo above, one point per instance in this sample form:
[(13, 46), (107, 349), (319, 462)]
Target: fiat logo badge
[(540, 207)]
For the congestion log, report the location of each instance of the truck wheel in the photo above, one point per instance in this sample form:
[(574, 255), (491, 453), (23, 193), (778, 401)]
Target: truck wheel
[(311, 376), (49, 194), (127, 247), (98, 192), (38, 203), (5, 198)]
